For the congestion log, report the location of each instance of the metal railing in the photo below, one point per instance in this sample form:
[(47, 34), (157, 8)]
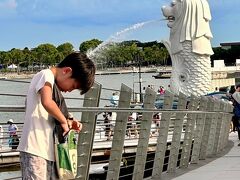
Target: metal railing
[(158, 141)]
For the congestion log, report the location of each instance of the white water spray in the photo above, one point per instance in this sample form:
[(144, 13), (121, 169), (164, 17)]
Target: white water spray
[(118, 37)]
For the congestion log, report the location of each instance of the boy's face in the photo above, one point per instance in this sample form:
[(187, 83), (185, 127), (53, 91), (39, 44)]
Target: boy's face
[(64, 81)]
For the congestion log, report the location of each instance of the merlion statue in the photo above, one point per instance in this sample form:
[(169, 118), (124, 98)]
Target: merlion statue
[(189, 46)]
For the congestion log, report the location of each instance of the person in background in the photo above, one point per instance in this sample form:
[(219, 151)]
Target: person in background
[(156, 123), (12, 128), (229, 94), (114, 99), (133, 123), (1, 136), (232, 90), (37, 157), (161, 90), (110, 121), (13, 137), (106, 116), (236, 110), (15, 141)]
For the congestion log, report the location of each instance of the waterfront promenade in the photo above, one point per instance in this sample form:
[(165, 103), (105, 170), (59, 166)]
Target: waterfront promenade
[(226, 166), (199, 127), (121, 70)]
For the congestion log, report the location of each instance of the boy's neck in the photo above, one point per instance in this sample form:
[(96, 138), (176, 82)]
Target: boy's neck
[(54, 71)]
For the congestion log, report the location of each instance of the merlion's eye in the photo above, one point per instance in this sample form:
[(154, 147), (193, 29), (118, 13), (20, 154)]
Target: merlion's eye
[(173, 3)]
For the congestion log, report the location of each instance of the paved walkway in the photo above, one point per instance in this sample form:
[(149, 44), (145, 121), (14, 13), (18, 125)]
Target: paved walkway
[(225, 167)]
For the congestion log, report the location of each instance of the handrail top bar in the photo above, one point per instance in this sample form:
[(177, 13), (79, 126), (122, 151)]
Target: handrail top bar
[(11, 108)]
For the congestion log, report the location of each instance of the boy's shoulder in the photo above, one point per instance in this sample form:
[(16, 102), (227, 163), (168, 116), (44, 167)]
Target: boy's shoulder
[(44, 72), (43, 76)]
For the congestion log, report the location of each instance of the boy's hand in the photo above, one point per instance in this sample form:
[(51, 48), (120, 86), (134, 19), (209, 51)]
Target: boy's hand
[(65, 128), (75, 125)]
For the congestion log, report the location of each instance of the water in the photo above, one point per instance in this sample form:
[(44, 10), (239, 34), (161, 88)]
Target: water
[(118, 37), (134, 32), (107, 81)]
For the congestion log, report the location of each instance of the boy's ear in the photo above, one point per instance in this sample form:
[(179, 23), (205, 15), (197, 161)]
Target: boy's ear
[(67, 70)]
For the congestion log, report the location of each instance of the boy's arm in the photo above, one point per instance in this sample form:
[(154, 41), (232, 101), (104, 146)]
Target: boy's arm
[(51, 107)]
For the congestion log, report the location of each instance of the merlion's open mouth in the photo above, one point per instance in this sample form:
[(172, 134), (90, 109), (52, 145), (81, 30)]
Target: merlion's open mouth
[(171, 18)]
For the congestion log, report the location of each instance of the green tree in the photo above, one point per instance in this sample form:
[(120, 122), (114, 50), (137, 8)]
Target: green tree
[(65, 49), (165, 55), (88, 45), (7, 58), (46, 54), (17, 56), (148, 51), (2, 56), (28, 58), (59, 57)]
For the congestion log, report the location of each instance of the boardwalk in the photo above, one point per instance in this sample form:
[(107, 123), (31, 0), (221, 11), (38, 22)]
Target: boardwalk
[(226, 166)]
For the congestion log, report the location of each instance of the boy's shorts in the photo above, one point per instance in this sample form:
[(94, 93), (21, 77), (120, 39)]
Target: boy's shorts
[(37, 168)]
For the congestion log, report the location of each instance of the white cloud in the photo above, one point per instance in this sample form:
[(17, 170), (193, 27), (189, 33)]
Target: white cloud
[(86, 12), (68, 8), (8, 4)]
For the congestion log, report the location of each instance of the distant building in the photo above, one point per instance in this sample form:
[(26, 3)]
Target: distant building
[(229, 45)]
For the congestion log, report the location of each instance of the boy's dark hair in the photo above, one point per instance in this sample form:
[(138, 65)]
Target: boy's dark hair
[(83, 69)]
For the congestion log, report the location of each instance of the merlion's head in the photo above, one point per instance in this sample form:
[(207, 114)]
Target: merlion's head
[(189, 21)]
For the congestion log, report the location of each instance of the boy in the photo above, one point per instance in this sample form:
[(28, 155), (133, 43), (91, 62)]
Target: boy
[(36, 146)]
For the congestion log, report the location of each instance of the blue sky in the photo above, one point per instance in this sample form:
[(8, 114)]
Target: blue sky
[(28, 23)]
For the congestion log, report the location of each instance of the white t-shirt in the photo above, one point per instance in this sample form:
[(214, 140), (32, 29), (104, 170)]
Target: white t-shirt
[(12, 129), (37, 134)]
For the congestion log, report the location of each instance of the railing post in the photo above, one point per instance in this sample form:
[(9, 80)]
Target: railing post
[(207, 128), (86, 136), (200, 122), (144, 135), (163, 136), (177, 132), (213, 127), (223, 126), (219, 108), (119, 134), (227, 120), (229, 117), (189, 131)]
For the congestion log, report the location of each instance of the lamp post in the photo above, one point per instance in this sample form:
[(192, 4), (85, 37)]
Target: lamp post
[(133, 71), (140, 74)]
